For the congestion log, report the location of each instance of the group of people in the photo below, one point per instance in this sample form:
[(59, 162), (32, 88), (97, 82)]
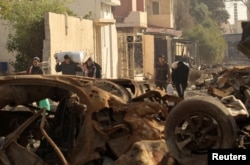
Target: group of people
[(67, 67), (88, 68), (177, 75)]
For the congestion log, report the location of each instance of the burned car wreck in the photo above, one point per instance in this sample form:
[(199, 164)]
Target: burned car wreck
[(93, 120)]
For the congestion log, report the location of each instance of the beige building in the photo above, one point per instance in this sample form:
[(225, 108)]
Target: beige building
[(105, 34), (161, 25), (64, 33), (5, 57), (160, 13), (97, 36), (133, 46), (145, 29)]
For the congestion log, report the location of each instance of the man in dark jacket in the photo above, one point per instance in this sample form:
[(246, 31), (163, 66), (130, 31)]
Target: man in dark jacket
[(162, 73), (94, 69), (35, 68), (68, 67), (180, 74)]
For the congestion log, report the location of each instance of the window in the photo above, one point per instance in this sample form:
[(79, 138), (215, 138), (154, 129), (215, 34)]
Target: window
[(155, 8)]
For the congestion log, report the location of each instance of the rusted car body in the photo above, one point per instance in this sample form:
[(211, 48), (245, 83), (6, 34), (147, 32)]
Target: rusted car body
[(93, 118)]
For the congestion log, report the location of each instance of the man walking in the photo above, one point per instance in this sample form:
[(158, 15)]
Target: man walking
[(68, 67), (180, 72), (162, 73)]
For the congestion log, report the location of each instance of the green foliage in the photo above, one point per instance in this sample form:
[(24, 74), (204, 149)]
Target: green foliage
[(199, 11), (22, 61), (183, 19), (211, 42), (205, 30), (27, 20), (87, 16), (217, 10)]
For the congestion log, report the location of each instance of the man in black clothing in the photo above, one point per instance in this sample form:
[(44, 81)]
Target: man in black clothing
[(180, 77), (35, 68), (162, 73), (94, 69), (68, 67)]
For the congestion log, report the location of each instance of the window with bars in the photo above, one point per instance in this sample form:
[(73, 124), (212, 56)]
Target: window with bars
[(155, 8)]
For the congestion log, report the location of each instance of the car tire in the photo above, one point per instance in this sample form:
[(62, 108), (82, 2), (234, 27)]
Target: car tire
[(196, 125)]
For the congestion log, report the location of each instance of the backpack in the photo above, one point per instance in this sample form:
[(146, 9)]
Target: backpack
[(98, 72)]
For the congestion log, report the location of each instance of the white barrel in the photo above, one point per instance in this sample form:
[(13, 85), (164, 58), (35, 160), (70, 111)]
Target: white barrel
[(76, 56)]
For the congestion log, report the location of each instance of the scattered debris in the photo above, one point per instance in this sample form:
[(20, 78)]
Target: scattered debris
[(92, 120), (219, 120), (147, 152)]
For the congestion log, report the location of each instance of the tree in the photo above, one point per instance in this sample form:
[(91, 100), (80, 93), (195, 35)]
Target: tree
[(206, 30), (27, 20), (211, 42), (183, 19), (217, 9)]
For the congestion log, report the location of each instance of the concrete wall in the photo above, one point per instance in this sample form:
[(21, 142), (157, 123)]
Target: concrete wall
[(165, 18), (131, 14), (148, 56), (107, 51), (5, 56), (123, 10), (65, 33), (141, 5), (105, 33)]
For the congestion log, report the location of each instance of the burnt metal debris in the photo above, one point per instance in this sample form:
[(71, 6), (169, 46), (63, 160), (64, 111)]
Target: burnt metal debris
[(217, 120), (93, 120), (110, 121)]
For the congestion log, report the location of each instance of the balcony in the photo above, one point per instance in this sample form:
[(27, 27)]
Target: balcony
[(112, 2), (104, 22), (134, 19)]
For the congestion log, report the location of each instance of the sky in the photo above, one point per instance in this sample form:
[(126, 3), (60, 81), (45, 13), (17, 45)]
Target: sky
[(242, 12)]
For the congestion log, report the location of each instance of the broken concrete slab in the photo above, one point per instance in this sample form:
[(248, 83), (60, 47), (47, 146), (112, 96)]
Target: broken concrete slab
[(147, 152)]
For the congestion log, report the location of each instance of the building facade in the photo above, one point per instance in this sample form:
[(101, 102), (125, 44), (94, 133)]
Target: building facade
[(131, 22), (160, 13), (65, 33), (145, 29), (131, 16), (6, 58), (105, 34)]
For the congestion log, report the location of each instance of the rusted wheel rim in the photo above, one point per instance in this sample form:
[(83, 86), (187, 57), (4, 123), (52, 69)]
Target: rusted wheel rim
[(198, 132)]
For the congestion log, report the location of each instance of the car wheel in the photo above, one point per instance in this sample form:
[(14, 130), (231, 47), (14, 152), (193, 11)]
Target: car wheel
[(196, 125)]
